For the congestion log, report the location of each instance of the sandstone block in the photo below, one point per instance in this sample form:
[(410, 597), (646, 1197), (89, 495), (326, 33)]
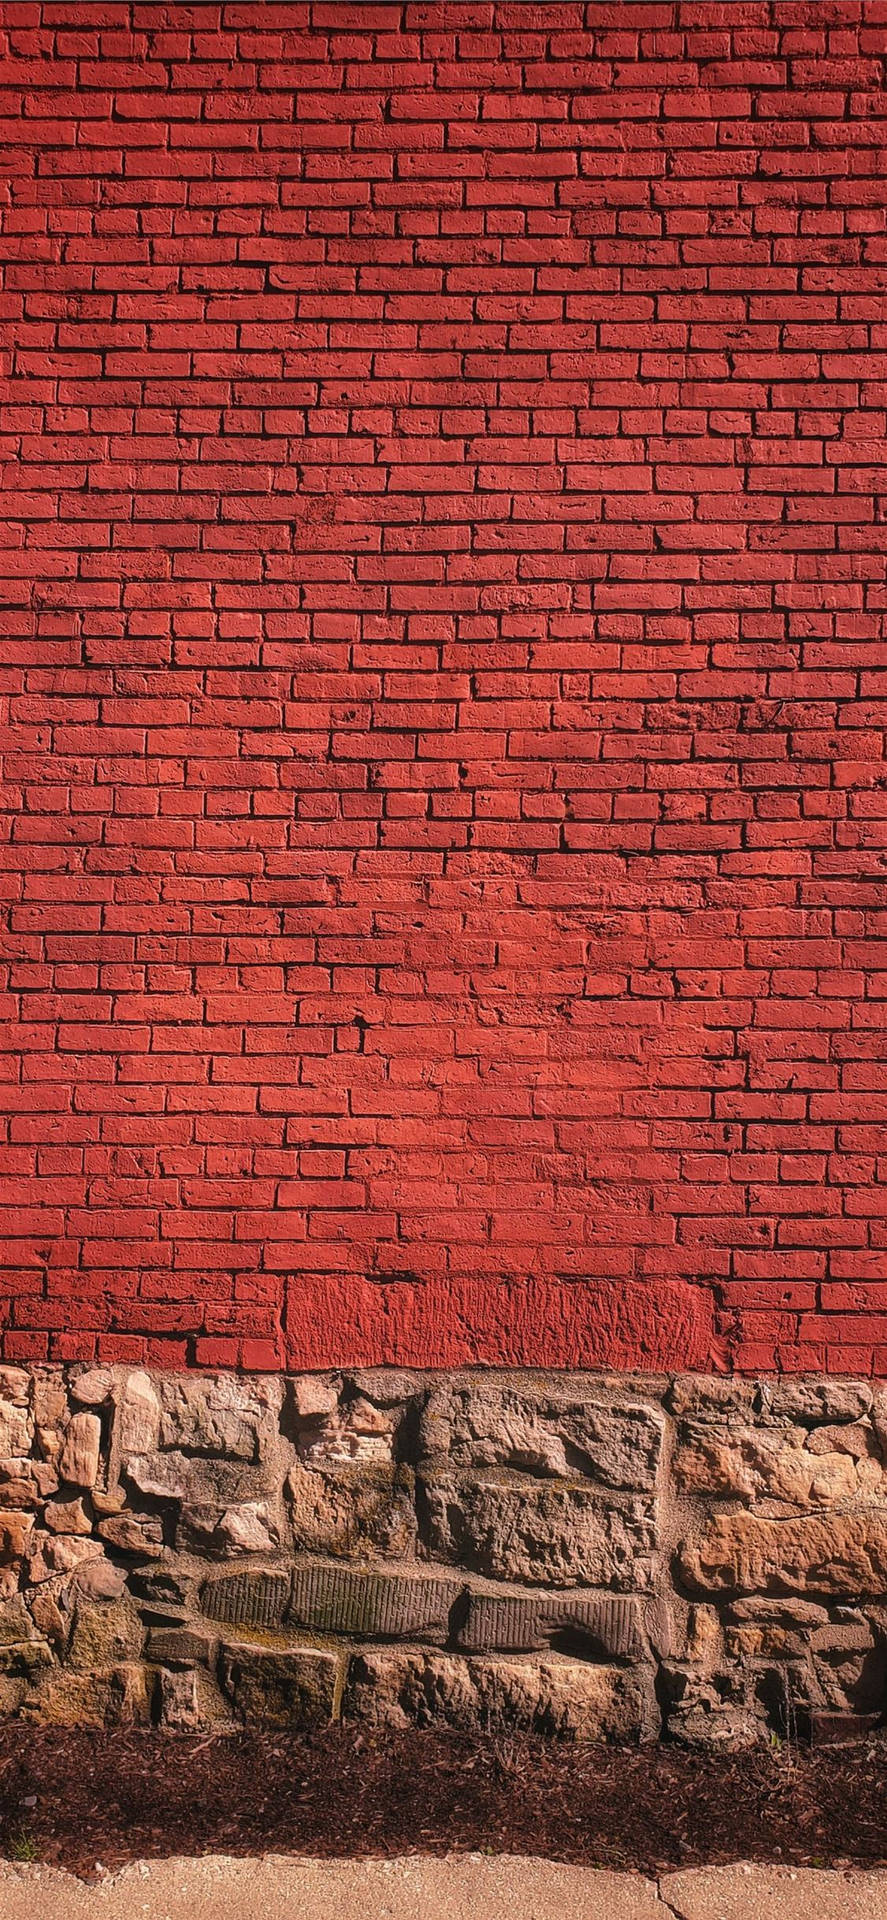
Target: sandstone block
[(279, 1689), (92, 1386), (178, 1647), (836, 1553), (179, 1701), (246, 1599), (607, 1625), (138, 1416), (353, 1510), (79, 1463), (16, 1430), (15, 1530), (554, 1435), (781, 1466), (231, 1416), (383, 1605), (140, 1534), (544, 1534), (554, 1696)]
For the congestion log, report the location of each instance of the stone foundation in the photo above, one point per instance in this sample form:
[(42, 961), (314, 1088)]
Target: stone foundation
[(602, 1556)]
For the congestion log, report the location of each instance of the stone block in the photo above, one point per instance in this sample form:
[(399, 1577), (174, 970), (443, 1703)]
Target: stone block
[(230, 1416), (16, 1430), (607, 1626), (837, 1553), (380, 1605), (285, 1688), (353, 1510), (246, 1599), (543, 1533), (171, 1647), (137, 1425), (81, 1451), (401, 1688), (140, 1534), (553, 1435)]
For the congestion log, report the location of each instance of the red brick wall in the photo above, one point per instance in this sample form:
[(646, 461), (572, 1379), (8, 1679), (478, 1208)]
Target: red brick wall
[(444, 804)]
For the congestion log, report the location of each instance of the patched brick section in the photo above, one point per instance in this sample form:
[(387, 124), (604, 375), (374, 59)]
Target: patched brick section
[(443, 699)]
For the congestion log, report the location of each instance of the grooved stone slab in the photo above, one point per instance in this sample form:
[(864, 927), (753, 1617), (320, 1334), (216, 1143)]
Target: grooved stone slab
[(246, 1599), (519, 1622), (390, 1605)]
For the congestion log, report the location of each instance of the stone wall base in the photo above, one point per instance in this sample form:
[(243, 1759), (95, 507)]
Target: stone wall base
[(603, 1556)]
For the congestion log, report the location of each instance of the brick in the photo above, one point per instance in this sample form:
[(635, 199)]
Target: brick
[(442, 708)]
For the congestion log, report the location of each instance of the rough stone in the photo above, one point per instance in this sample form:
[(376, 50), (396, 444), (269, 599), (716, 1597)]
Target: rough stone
[(497, 1536), (103, 1636), (354, 1431), (15, 1385), (229, 1415), (15, 1529), (314, 1399), (100, 1580), (353, 1510), (782, 1466), (79, 1463), (555, 1696), (179, 1701), (16, 1429), (247, 1529), (172, 1647), (837, 1553), (66, 1697), (543, 1533), (137, 1533), (286, 1688), (138, 1416), (93, 1387), (554, 1435), (66, 1516)]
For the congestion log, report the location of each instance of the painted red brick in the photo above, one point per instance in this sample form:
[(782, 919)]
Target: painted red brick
[(443, 685)]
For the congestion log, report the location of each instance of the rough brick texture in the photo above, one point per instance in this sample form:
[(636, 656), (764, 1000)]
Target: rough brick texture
[(443, 687)]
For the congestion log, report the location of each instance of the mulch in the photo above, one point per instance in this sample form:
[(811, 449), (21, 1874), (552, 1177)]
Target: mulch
[(90, 1801)]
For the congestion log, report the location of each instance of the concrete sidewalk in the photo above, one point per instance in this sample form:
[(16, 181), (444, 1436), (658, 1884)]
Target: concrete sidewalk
[(465, 1887)]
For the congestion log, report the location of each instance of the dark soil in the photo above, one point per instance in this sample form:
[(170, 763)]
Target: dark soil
[(95, 1800)]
